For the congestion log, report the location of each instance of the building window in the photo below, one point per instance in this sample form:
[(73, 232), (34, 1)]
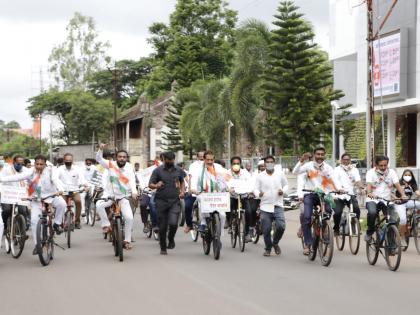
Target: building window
[(135, 128)]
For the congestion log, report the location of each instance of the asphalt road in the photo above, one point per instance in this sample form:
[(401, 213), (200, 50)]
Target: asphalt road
[(88, 279)]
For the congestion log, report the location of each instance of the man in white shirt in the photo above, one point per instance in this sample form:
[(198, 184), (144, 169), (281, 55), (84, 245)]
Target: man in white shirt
[(88, 172), (380, 182), (270, 186), (348, 178), (121, 185), (319, 175), (72, 177), (43, 183), (193, 171), (239, 179)]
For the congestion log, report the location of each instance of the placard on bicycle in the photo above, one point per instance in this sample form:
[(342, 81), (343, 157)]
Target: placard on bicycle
[(210, 202)]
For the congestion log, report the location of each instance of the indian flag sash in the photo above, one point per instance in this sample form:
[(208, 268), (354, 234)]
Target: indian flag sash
[(118, 178), (33, 186)]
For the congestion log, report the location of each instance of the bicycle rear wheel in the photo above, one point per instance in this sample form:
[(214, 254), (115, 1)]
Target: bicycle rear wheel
[(257, 231), (241, 231), (326, 244), (216, 233), (315, 242), (354, 237), (196, 221), (416, 233), (44, 242), (18, 236), (372, 248), (392, 247), (120, 238)]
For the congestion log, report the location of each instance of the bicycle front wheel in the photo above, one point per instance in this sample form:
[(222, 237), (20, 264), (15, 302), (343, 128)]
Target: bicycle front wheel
[(69, 224), (44, 242), (392, 247), (196, 221), (18, 236), (326, 244), (241, 232), (234, 232), (216, 232), (256, 236), (120, 237), (354, 237), (315, 241)]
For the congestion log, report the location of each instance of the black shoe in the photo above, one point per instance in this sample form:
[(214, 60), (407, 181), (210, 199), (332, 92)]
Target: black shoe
[(78, 226), (267, 253), (277, 249), (171, 245), (35, 251), (57, 228), (163, 252)]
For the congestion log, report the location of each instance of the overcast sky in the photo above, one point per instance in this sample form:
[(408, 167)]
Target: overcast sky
[(29, 29)]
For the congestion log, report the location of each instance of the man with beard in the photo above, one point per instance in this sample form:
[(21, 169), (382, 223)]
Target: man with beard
[(121, 184)]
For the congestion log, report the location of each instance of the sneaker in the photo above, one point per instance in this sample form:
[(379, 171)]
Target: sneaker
[(368, 238), (57, 228), (267, 253), (171, 245), (277, 249), (35, 251)]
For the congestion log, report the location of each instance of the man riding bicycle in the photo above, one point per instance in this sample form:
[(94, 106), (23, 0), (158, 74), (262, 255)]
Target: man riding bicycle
[(42, 182), (319, 176), (380, 182), (121, 184)]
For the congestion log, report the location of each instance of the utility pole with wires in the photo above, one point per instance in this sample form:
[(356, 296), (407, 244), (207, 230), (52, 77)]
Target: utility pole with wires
[(115, 79), (370, 108)]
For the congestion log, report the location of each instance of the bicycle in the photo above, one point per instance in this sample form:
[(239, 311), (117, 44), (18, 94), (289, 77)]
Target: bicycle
[(212, 234), (238, 223), (413, 226), (68, 219), (91, 205), (15, 232), (116, 231), (386, 236), (322, 233), (45, 233), (349, 226)]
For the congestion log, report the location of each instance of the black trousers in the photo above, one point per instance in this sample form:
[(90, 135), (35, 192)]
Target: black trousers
[(168, 212), (338, 210), (250, 218), (7, 211)]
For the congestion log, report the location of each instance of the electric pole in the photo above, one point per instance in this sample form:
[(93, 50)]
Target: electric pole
[(370, 109), (115, 78)]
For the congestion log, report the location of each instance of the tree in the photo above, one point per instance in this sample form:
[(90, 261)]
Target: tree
[(12, 125), (297, 87), (130, 74), (74, 61), (79, 112)]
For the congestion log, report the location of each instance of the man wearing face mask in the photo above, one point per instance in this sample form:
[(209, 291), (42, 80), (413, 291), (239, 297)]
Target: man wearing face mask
[(348, 178), (168, 180), (120, 184), (15, 169), (380, 181), (270, 186), (240, 175), (72, 177), (319, 176)]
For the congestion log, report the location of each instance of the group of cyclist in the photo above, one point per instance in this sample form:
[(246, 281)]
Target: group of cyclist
[(169, 189)]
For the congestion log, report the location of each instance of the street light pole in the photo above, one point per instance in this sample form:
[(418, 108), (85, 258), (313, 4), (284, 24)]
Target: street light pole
[(334, 107), (230, 125)]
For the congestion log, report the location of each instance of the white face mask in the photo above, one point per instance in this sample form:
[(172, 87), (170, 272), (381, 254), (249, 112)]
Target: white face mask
[(269, 167), (407, 178)]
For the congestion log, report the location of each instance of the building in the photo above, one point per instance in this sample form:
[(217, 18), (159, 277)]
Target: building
[(396, 75)]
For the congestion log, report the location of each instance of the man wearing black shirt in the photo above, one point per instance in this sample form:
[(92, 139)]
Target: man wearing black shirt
[(168, 180)]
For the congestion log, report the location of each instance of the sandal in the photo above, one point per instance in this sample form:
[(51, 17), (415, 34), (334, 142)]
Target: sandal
[(127, 245), (106, 229)]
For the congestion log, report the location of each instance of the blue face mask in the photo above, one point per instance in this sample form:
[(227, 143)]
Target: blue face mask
[(18, 167)]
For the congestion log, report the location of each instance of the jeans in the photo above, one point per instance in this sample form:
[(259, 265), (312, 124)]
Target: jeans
[(168, 213), (189, 202), (309, 200), (266, 219), (372, 208), (338, 210)]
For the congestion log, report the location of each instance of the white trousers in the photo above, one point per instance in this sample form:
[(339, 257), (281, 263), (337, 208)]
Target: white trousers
[(402, 210), (60, 207), (126, 212)]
